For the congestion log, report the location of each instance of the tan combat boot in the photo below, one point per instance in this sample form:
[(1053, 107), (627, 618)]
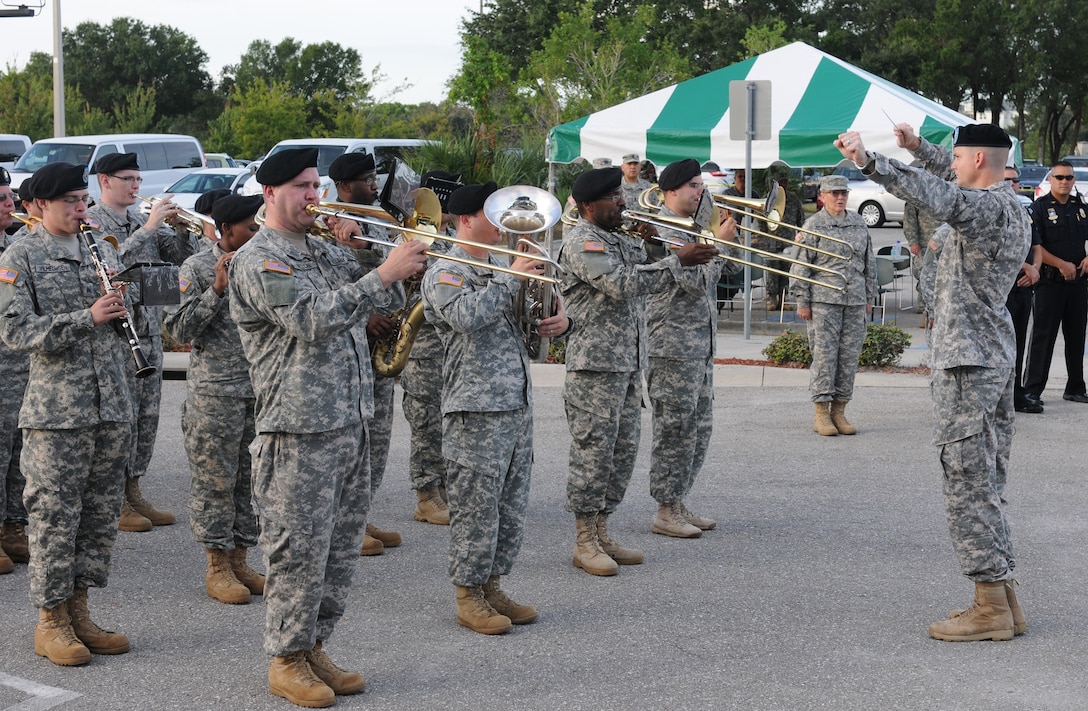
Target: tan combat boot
[(588, 554), (431, 508), (371, 545), (988, 618), (95, 638), (340, 681), (220, 581), (700, 522), (1019, 622), (291, 677), (622, 556), (137, 501), (838, 418), (502, 604), (389, 539), (670, 521), (474, 612), (823, 424), (6, 565), (13, 541), (131, 520), (247, 576), (55, 639)]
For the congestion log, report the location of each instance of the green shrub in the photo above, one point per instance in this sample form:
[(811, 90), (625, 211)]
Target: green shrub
[(884, 345)]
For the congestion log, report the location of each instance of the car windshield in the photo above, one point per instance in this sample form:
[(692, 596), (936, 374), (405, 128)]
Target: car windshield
[(42, 153), (201, 183), (850, 173), (1033, 172), (325, 155)]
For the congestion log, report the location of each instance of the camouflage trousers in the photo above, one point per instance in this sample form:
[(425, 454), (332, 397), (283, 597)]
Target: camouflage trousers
[(974, 427), (381, 430), (775, 285), (146, 397), (682, 396), (835, 336), (312, 493), (12, 480), (74, 485), (422, 405), (605, 423), (218, 432), (489, 460)]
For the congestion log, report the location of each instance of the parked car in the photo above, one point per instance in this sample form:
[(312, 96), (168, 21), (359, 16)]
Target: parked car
[(716, 180), (1076, 161), (870, 200), (12, 147), (220, 160), (1030, 177), (1080, 186), (192, 186)]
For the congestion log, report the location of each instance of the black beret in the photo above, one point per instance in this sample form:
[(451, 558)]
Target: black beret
[(114, 162), (443, 183), (469, 199), (26, 189), (678, 173), (595, 184), (236, 208), (205, 202), (284, 165), (5, 176), (55, 179), (350, 166), (981, 134)]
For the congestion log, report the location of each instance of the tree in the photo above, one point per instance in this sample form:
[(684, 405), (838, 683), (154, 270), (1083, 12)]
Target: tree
[(107, 62), (260, 116)]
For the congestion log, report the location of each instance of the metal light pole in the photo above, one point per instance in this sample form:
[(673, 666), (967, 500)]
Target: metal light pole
[(58, 74)]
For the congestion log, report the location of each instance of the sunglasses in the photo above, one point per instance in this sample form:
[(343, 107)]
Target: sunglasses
[(1064, 177)]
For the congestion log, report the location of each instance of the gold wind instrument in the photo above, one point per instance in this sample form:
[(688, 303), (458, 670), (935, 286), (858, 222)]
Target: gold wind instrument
[(28, 220), (190, 219)]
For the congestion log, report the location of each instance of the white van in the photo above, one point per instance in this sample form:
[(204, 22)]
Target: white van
[(12, 145), (163, 157), (329, 149)]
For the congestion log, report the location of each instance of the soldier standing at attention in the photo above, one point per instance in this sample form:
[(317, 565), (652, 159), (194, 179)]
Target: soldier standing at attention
[(682, 321), (633, 184), (985, 237), (487, 413), (604, 286), (302, 304), (217, 416), (76, 415), (140, 239), (15, 366), (836, 319)]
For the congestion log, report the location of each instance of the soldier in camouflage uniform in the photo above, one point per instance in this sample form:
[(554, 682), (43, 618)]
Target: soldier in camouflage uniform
[(487, 413), (421, 381), (774, 283), (217, 416), (633, 185), (793, 215), (836, 319), (918, 228), (140, 239), (28, 206), (604, 286), (76, 416), (15, 366), (301, 305), (682, 322), (356, 181), (985, 236)]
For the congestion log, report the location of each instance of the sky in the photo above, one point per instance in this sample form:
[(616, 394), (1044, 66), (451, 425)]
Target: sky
[(414, 41)]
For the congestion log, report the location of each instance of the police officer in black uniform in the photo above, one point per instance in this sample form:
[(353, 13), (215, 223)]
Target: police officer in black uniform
[(1060, 219)]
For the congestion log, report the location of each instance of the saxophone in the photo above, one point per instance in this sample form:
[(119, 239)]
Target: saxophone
[(389, 355)]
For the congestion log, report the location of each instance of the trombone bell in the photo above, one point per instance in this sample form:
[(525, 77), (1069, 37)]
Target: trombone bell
[(522, 209)]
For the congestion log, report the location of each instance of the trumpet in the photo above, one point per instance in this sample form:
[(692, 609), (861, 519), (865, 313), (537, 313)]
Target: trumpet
[(769, 212), (28, 220), (190, 219)]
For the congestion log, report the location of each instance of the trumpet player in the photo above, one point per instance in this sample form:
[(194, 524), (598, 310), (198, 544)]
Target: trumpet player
[(30, 208), (682, 322), (356, 179), (604, 286), (301, 305), (217, 416), (76, 415), (140, 240), (487, 413)]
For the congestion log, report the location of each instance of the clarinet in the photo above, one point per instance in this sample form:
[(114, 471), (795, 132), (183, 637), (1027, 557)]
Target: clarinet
[(127, 330)]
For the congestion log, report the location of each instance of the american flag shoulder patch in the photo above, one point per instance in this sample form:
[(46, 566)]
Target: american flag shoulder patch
[(450, 279), (271, 265), (183, 284), (593, 246), (8, 276)]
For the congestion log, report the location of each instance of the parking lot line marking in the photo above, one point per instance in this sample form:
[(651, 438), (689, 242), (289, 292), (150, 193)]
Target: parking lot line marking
[(41, 696)]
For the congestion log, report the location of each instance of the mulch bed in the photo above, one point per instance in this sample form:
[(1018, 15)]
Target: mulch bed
[(895, 369)]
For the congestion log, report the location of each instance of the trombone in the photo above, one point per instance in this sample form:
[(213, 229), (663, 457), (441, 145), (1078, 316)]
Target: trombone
[(192, 221)]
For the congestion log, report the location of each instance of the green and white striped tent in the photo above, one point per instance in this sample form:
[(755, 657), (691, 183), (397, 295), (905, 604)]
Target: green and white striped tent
[(814, 98)]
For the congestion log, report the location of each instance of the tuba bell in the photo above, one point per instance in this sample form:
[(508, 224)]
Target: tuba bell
[(527, 210)]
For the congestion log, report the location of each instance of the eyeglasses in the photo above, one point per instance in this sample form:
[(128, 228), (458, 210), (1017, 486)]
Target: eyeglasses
[(131, 179), (1064, 177), (1012, 180), (839, 193), (697, 186), (73, 201), (614, 197), (372, 180)]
